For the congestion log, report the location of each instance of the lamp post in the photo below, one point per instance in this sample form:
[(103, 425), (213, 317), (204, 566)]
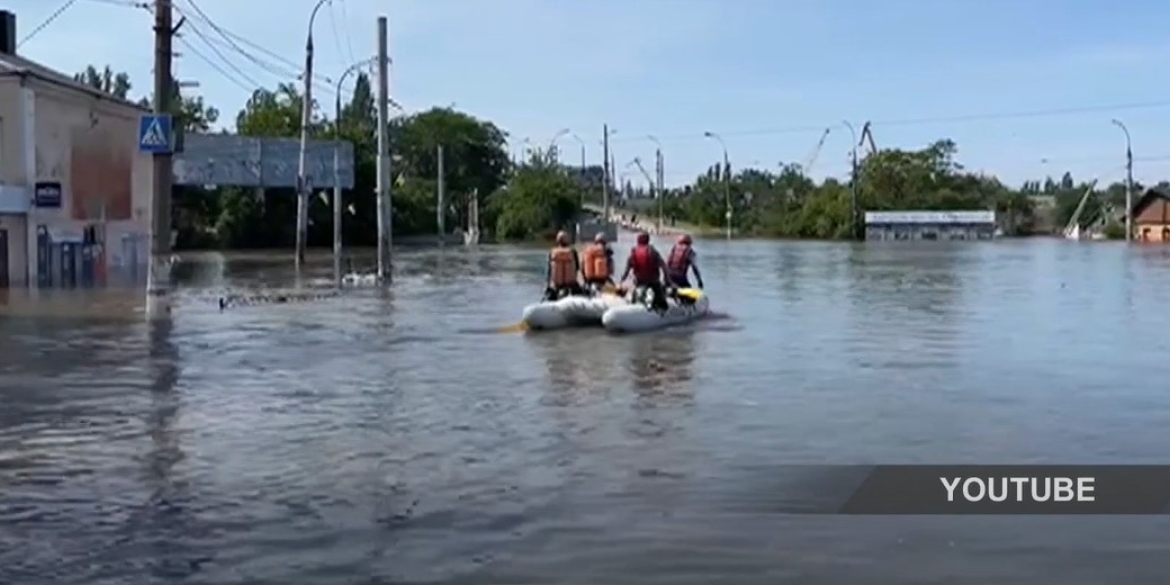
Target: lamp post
[(583, 182), (552, 144), (337, 168), (303, 186), (1128, 181), (659, 172), (726, 178), (852, 178)]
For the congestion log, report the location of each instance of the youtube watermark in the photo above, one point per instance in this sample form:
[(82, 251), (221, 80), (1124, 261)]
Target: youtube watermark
[(1011, 489)]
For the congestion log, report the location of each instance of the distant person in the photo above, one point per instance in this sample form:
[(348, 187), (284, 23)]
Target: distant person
[(680, 262), (597, 264), (563, 267), (646, 264)]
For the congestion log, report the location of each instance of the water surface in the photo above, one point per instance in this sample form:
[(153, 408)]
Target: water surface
[(386, 437)]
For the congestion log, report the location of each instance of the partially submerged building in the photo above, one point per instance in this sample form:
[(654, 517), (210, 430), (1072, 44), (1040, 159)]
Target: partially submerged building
[(1151, 217), (74, 190), (930, 225)]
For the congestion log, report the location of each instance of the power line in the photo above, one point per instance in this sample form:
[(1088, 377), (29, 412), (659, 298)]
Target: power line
[(198, 33), (348, 36), (1044, 113), (336, 35), (242, 85), (40, 27), (235, 41)]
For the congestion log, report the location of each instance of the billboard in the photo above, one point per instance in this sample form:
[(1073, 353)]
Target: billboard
[(246, 161)]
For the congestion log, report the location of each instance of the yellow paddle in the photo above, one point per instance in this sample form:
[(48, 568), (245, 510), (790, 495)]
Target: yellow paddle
[(693, 294), (520, 327)]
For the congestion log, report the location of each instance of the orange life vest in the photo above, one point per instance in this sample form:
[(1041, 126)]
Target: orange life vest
[(564, 266), (644, 261), (595, 263), (680, 260)]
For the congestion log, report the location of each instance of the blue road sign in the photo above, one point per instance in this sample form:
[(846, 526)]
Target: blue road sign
[(155, 134)]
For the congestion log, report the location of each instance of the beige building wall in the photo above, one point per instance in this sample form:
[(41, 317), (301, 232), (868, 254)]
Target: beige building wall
[(52, 132)]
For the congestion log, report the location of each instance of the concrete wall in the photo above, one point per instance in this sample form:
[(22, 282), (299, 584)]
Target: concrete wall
[(56, 134)]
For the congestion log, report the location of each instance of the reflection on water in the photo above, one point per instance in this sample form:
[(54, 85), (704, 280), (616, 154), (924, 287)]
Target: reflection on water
[(376, 438), (661, 364)]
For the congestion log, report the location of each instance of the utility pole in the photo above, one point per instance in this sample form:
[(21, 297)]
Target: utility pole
[(853, 226), (158, 274), (659, 172), (337, 192), (384, 201), (440, 199), (1128, 181), (608, 169)]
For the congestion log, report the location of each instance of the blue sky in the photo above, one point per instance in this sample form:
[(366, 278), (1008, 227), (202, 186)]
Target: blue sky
[(765, 74)]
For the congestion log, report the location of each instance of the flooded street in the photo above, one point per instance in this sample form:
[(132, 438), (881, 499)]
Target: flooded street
[(394, 437)]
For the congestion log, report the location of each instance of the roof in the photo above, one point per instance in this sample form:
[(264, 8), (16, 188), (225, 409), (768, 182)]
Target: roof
[(17, 65), (1147, 198), (930, 217)]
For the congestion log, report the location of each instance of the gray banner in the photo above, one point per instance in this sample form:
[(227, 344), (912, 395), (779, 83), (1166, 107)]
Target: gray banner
[(1012, 489)]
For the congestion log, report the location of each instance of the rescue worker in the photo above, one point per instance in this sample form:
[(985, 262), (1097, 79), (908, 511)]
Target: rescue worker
[(680, 261), (646, 265), (563, 267), (597, 264)]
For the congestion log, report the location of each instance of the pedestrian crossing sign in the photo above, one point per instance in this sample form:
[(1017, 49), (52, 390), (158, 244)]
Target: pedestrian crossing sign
[(155, 134)]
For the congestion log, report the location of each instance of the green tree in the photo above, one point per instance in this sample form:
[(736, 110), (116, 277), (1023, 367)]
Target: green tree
[(475, 159), (540, 199), (106, 80)]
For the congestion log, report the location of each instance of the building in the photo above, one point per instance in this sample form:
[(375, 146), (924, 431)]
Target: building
[(1151, 217), (74, 190), (930, 225)]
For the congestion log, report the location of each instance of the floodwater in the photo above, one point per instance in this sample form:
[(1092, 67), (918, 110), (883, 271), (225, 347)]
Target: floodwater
[(391, 438)]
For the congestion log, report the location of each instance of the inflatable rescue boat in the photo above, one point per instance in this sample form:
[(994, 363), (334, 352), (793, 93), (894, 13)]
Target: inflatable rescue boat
[(571, 311), (685, 305)]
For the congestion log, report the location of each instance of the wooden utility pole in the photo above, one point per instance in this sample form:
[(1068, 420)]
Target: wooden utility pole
[(158, 285)]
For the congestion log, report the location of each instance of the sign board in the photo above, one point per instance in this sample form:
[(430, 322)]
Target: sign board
[(245, 161), (930, 217), (47, 194), (155, 134)]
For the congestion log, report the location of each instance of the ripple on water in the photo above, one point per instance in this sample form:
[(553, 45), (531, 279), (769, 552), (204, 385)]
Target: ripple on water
[(375, 438)]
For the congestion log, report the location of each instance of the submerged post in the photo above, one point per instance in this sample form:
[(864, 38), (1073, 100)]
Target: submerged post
[(385, 200), (440, 200), (158, 275)]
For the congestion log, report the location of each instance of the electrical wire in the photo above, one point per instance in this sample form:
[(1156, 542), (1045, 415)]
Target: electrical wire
[(244, 86), (45, 23), (348, 36), (336, 35), (320, 83), (244, 76), (1043, 113)]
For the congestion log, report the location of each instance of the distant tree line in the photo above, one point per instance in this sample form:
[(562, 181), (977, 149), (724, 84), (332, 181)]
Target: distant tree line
[(532, 198)]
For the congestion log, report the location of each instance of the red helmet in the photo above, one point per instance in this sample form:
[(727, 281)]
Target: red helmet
[(684, 239), (643, 239)]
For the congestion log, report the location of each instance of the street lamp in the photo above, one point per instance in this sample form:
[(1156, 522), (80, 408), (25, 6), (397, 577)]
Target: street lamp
[(574, 136), (1128, 181), (552, 144), (337, 168), (660, 179), (303, 164), (852, 178), (726, 178)]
